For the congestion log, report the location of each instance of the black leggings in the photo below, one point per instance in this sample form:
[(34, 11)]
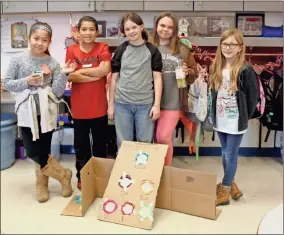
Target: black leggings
[(82, 144), (40, 149)]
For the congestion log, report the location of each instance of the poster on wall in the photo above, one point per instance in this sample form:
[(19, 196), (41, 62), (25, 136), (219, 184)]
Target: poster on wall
[(112, 32), (183, 25), (102, 29), (218, 24), (19, 35), (250, 25), (198, 26)]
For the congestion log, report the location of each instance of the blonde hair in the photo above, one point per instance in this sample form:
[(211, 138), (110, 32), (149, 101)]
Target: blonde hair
[(220, 60), (175, 41)]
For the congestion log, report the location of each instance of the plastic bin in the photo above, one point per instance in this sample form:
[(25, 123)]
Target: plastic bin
[(8, 139)]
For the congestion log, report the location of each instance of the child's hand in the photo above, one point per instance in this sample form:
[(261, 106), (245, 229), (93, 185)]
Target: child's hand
[(69, 67), (185, 69), (33, 80), (203, 73), (110, 111), (155, 112)]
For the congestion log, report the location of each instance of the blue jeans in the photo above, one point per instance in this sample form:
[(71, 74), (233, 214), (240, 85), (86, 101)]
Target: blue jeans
[(230, 150), (128, 115)]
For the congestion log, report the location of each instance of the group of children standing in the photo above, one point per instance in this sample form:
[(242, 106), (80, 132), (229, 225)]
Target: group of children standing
[(143, 94)]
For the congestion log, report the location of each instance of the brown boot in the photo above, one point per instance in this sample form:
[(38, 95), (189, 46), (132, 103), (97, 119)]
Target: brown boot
[(223, 195), (54, 170), (218, 188), (235, 191), (42, 194)]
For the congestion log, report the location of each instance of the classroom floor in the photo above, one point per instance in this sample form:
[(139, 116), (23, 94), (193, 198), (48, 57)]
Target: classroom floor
[(260, 179)]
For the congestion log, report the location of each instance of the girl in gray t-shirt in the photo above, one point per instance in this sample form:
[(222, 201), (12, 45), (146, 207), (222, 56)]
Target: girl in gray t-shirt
[(136, 83)]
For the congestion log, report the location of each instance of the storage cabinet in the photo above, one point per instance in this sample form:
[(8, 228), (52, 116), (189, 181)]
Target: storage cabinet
[(218, 6), (168, 5), (267, 6), (67, 6), (118, 5), (24, 6)]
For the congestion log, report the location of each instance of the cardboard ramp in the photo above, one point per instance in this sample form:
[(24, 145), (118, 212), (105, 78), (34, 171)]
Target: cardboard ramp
[(180, 190), (130, 196)]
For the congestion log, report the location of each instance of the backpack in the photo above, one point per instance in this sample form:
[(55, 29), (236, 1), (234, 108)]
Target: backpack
[(260, 107), (272, 117)]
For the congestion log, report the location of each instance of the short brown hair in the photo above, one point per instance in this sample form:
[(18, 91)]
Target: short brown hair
[(134, 17)]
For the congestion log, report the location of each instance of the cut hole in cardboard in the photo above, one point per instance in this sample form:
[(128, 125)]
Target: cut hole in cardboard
[(110, 206), (125, 181), (146, 211), (147, 187), (128, 208), (141, 159)]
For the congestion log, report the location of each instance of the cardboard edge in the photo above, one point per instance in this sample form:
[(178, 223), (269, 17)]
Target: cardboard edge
[(218, 212)]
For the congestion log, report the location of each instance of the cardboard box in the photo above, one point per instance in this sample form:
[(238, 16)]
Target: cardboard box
[(181, 190), (189, 192)]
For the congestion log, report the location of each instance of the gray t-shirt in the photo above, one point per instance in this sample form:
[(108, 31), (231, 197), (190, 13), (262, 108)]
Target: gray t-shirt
[(24, 65), (170, 96), (135, 65)]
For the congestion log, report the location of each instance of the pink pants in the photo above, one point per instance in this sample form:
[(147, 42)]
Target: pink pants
[(166, 125)]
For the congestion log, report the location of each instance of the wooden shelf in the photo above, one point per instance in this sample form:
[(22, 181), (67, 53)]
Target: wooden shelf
[(112, 42), (211, 41)]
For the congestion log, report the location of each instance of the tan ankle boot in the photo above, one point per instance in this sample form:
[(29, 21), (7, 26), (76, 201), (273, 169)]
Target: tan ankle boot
[(223, 195), (55, 170), (235, 191), (42, 194), (218, 188)]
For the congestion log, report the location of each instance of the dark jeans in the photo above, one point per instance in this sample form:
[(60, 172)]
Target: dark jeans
[(230, 150), (82, 142), (40, 149)]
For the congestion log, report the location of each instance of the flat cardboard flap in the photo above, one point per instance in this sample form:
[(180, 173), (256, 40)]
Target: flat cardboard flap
[(164, 196), (80, 203), (103, 168), (88, 185), (130, 196), (188, 191), (193, 181), (73, 208), (193, 204)]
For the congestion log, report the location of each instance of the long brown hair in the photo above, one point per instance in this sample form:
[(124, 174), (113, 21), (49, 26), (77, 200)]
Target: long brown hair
[(134, 17), (45, 27), (219, 61), (175, 41)]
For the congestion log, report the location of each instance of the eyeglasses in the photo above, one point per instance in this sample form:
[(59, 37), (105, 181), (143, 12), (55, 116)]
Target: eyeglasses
[(231, 45)]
